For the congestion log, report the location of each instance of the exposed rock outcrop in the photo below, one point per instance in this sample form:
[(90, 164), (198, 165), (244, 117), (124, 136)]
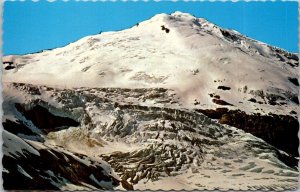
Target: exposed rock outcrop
[(43, 168), (279, 130), (45, 120)]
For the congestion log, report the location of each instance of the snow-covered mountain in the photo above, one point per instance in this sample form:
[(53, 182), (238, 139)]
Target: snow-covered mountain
[(175, 102)]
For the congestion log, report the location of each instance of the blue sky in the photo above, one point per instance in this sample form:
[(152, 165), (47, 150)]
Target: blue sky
[(30, 27)]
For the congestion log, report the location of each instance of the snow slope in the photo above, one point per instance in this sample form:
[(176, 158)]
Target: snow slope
[(194, 58)]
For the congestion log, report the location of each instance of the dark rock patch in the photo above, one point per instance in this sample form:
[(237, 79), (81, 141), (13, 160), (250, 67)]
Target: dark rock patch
[(228, 35), (282, 103), (167, 30), (278, 130), (214, 114), (294, 81), (8, 62), (252, 100), (196, 102), (19, 128), (292, 56), (224, 88), (85, 69), (295, 99), (9, 67), (280, 98), (45, 120), (293, 112), (217, 96), (280, 57), (221, 102), (30, 89), (292, 64), (214, 96), (127, 185), (62, 167)]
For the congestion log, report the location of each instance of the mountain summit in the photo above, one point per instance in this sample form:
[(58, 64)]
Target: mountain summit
[(194, 58), (171, 98)]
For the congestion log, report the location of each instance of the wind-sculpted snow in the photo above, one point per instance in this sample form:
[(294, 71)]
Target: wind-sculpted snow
[(147, 138)]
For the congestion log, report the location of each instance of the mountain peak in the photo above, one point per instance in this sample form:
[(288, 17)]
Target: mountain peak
[(167, 104), (176, 17), (177, 51), (187, 16), (184, 24)]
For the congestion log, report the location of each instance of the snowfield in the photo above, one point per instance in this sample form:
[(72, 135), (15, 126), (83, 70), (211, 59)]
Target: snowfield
[(175, 102), (194, 58)]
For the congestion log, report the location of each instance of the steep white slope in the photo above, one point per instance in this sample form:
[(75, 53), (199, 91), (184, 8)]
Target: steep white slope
[(194, 58)]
